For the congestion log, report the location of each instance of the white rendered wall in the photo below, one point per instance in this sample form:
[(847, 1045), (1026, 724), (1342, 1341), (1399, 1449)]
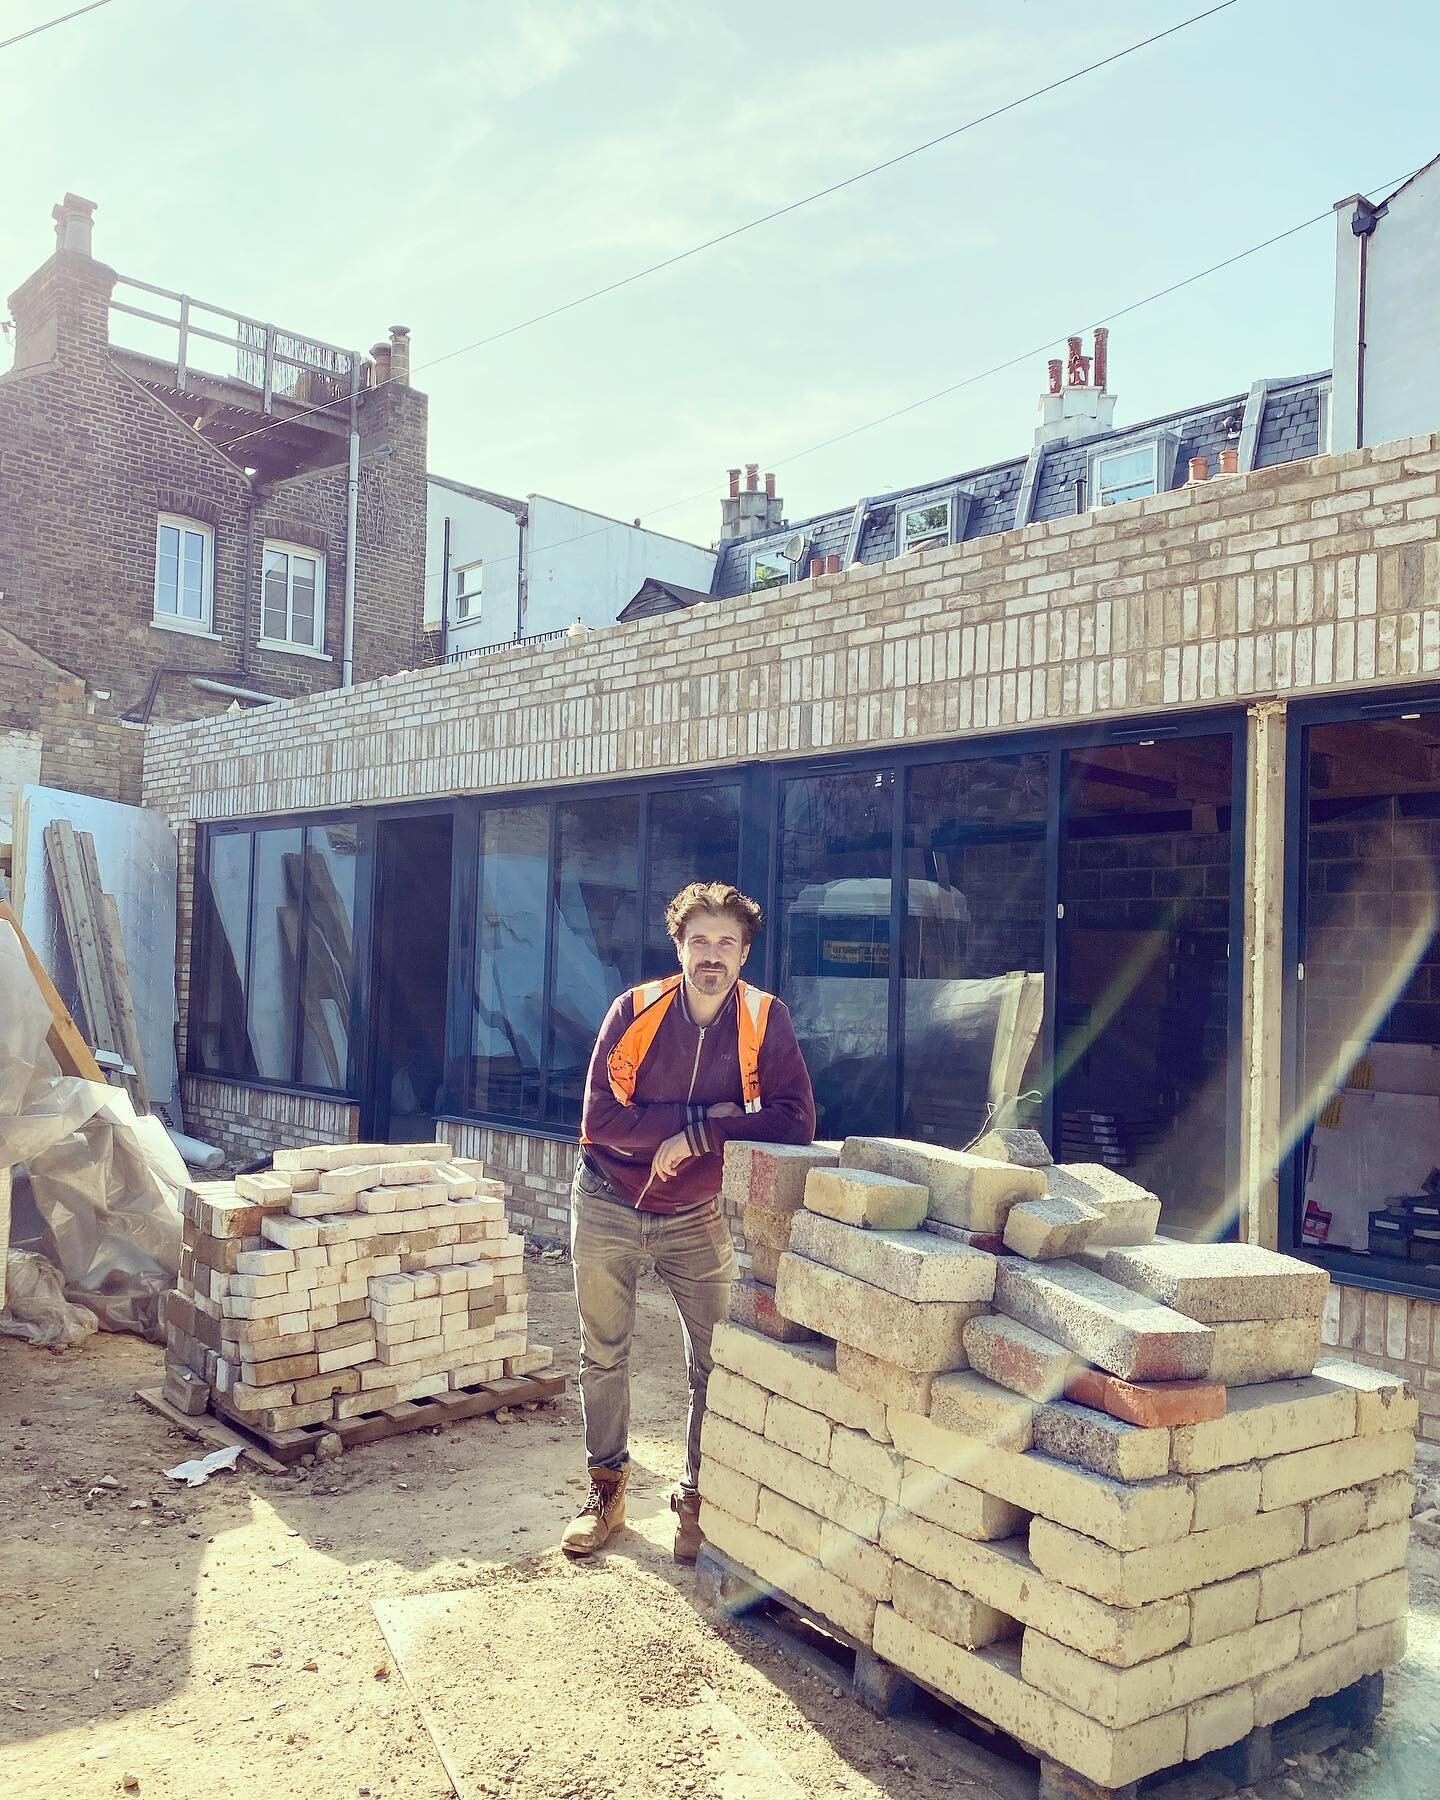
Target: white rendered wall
[(585, 566), (478, 530)]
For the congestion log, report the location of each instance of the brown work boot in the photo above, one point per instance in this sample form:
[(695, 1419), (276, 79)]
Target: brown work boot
[(602, 1513), (688, 1537)]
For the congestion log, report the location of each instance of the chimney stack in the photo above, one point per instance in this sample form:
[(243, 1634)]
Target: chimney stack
[(74, 225), (750, 511), (400, 354), (1077, 404), (62, 310)]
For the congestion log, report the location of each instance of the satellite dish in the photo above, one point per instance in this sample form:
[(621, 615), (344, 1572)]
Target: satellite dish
[(794, 547)]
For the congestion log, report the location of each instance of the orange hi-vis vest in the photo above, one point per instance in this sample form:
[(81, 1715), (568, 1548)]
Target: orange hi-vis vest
[(652, 1002)]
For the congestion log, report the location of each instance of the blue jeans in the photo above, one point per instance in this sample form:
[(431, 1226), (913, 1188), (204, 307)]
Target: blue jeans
[(611, 1243)]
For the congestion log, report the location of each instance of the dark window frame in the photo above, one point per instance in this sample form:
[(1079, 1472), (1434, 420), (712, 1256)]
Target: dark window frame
[(1378, 1274), (760, 801)]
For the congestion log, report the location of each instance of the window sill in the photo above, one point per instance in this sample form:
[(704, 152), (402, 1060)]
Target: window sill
[(186, 628), (284, 649)]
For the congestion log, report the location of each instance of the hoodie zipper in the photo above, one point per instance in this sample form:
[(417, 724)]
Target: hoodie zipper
[(690, 1093)]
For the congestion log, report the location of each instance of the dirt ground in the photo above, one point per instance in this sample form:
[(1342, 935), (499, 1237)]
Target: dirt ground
[(222, 1641)]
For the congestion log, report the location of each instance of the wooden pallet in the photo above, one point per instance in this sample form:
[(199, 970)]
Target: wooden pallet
[(409, 1415), (981, 1746)]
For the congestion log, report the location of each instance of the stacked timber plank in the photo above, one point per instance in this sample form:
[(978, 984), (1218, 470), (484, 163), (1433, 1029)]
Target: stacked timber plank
[(1085, 1482), (350, 1279)]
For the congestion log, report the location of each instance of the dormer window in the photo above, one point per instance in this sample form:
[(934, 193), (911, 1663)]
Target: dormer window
[(922, 527), (1118, 475), (768, 568)]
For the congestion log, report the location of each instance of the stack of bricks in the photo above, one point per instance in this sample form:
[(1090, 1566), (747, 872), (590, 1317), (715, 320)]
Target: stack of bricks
[(348, 1279), (1096, 1491)]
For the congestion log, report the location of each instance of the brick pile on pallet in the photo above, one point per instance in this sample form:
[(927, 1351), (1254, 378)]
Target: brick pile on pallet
[(1084, 1481), (348, 1279)]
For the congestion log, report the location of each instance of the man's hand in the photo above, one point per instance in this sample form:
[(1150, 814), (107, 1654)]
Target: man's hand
[(724, 1109), (668, 1158)]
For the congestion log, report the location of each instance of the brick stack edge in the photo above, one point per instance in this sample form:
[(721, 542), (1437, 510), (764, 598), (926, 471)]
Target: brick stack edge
[(931, 1445), (352, 1277)]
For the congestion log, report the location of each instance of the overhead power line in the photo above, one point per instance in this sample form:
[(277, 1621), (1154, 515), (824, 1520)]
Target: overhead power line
[(779, 212), (711, 491), (50, 24)]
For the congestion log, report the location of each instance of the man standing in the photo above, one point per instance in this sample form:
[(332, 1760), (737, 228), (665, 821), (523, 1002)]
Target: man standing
[(681, 1066)]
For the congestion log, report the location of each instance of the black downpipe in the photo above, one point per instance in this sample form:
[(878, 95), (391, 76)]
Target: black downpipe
[(445, 593)]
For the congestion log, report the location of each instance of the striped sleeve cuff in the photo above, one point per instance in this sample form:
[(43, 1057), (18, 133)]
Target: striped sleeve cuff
[(697, 1136)]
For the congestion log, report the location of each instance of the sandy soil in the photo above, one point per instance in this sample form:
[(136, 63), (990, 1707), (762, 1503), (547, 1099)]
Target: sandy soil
[(222, 1641)]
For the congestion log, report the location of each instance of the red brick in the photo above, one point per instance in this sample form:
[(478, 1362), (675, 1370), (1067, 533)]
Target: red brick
[(1153, 1403), (752, 1303)]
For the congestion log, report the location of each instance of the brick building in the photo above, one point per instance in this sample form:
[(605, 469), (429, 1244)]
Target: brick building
[(196, 510), (1178, 754)]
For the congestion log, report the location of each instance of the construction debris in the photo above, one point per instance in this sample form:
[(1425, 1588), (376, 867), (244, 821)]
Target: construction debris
[(1046, 1494), (346, 1281)]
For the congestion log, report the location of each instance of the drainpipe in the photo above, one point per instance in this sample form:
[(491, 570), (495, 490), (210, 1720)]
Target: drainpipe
[(1363, 221), (445, 592), (521, 573), (352, 507), (248, 575)]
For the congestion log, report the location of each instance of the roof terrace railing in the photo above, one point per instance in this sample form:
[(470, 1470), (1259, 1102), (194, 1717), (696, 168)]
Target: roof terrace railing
[(276, 363), (538, 637)]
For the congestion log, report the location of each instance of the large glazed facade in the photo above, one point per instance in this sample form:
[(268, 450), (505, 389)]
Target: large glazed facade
[(1173, 755)]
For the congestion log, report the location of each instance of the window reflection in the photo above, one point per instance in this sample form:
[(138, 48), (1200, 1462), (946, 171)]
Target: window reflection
[(220, 1040), (974, 942), (834, 919), (330, 852), (275, 952), (508, 991), (596, 935), (694, 836)]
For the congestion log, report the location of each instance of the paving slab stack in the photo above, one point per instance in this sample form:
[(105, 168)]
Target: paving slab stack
[(350, 1278), (1090, 1483)]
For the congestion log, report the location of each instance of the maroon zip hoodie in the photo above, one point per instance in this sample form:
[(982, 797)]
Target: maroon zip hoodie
[(688, 1069)]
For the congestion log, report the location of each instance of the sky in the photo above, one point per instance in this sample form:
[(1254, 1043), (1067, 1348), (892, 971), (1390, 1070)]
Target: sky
[(339, 166)]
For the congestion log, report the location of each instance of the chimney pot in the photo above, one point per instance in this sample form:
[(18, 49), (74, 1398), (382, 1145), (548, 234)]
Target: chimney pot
[(1199, 468), (1057, 370), (770, 487), (832, 564), (817, 566), (1230, 460), (1075, 372), (380, 356), (734, 483), (752, 477), (400, 354), (1102, 356), (74, 224)]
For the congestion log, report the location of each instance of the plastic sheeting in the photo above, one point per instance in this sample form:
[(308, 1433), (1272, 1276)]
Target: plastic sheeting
[(97, 1191), (136, 853)]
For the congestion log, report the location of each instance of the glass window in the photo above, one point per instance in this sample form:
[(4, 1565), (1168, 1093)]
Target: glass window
[(694, 836), (596, 937), (184, 558), (1142, 1023), (466, 602), (974, 941), (768, 568), (330, 853), (218, 1008), (923, 526), (292, 612), (834, 921), (1370, 1065), (275, 952), (508, 988), (1124, 475)]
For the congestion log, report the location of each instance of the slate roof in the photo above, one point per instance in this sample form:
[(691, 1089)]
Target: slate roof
[(656, 596), (1289, 429)]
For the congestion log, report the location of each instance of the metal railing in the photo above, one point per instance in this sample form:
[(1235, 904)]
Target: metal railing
[(276, 363), (538, 637)]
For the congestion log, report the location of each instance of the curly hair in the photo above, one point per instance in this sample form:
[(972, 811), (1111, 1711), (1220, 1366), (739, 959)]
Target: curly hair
[(712, 897)]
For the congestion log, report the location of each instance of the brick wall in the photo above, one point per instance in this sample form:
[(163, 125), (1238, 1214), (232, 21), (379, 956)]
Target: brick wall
[(1390, 1331), (89, 456), (537, 1173), (249, 1122)]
